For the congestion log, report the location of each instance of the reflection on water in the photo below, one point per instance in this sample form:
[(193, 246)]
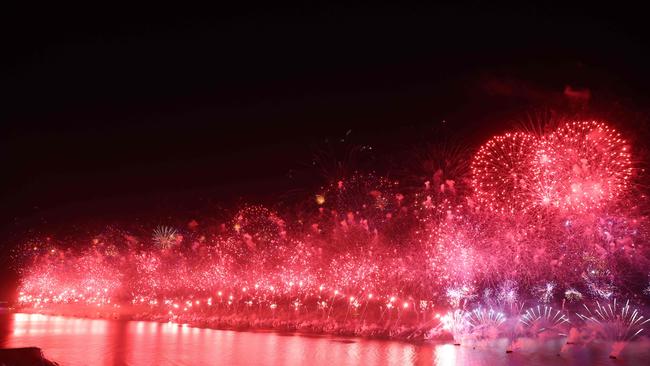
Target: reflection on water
[(73, 341)]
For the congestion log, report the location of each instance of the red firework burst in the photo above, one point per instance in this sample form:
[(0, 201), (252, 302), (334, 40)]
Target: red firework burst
[(581, 166), (501, 173)]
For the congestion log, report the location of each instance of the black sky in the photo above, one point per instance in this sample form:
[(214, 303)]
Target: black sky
[(119, 112)]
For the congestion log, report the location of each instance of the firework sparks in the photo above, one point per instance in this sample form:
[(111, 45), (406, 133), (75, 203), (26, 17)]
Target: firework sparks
[(501, 172), (165, 237), (615, 322), (543, 318)]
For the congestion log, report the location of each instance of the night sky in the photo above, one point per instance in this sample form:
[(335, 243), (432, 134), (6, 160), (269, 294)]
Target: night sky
[(121, 114)]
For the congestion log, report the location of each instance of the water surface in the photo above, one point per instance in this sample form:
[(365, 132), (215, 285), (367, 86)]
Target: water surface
[(74, 341)]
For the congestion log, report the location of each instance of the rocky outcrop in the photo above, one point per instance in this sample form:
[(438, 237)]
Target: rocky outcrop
[(28, 356)]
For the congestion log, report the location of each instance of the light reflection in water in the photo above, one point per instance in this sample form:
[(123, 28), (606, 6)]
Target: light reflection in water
[(446, 355), (74, 341)]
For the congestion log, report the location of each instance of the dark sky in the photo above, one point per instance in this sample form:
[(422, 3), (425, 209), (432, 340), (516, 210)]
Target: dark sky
[(123, 112)]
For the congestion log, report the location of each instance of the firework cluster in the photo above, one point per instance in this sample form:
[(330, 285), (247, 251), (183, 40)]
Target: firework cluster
[(548, 219), (578, 167)]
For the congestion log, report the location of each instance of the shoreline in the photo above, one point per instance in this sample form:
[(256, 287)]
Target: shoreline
[(309, 327)]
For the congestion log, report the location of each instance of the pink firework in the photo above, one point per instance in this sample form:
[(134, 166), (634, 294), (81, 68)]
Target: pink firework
[(581, 166), (501, 173)]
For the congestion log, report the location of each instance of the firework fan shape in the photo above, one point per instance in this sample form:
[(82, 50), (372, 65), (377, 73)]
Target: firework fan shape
[(544, 318), (485, 323), (581, 166), (501, 172), (614, 322), (479, 323)]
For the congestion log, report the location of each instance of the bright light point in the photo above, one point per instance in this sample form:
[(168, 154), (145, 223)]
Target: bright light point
[(320, 199)]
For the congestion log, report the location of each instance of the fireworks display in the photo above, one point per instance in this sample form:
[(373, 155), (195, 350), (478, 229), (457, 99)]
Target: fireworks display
[(549, 218)]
